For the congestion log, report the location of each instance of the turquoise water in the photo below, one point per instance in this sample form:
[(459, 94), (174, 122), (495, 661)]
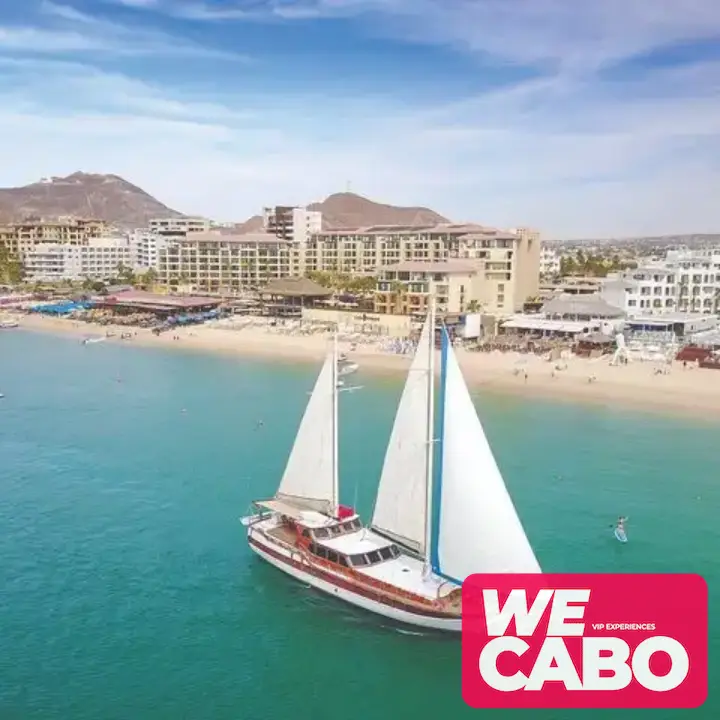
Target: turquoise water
[(126, 587)]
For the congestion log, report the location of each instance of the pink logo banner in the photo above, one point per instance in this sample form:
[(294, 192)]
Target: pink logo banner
[(585, 641)]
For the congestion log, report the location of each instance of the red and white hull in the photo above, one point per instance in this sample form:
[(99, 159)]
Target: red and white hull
[(354, 591)]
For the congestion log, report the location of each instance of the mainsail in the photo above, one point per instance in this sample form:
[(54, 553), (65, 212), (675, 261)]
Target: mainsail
[(400, 507), (311, 473), (477, 530)]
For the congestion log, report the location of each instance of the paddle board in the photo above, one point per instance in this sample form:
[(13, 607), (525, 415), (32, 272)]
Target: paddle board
[(620, 535)]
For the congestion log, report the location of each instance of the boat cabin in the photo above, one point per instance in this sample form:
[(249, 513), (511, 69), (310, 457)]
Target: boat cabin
[(356, 560), (339, 541)]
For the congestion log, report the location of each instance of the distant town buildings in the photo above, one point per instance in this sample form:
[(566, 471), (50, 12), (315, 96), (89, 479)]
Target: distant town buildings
[(549, 261)]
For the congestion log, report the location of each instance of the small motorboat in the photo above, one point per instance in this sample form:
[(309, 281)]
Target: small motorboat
[(346, 366)]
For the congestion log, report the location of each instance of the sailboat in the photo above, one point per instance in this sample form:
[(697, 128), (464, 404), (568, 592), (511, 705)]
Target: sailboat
[(442, 510)]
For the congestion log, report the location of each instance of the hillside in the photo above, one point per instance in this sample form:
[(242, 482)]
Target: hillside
[(346, 210), (105, 197)]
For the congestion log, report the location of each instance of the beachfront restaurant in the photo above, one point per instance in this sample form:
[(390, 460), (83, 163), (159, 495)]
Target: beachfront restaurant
[(681, 325), (539, 327), (186, 307), (581, 308), (293, 293)]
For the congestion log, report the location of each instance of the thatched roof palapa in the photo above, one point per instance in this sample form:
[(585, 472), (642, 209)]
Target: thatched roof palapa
[(296, 287), (588, 305)]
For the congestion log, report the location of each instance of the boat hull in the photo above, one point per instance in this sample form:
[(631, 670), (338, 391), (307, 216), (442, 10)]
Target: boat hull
[(339, 587)]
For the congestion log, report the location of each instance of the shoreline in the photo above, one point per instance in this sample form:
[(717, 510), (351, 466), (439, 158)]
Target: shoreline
[(690, 391)]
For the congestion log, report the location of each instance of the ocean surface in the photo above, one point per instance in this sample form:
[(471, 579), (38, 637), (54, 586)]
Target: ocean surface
[(127, 590)]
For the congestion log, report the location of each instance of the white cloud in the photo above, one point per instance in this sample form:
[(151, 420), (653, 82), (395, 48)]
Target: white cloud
[(65, 30), (572, 153), (135, 3), (571, 35), (568, 158)]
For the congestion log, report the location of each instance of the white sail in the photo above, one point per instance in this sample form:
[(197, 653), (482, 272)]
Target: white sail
[(310, 476), (478, 528), (400, 507)]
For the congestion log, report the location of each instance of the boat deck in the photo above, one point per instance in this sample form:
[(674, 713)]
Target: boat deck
[(404, 573), (282, 533)]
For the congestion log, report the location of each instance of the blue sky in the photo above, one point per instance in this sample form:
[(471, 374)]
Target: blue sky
[(582, 119)]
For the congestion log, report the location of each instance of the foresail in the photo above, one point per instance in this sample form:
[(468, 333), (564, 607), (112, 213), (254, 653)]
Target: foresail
[(478, 530), (401, 498), (309, 476)]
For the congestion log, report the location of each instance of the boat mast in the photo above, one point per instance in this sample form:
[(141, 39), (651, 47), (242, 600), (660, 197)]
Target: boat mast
[(335, 492), (430, 438)]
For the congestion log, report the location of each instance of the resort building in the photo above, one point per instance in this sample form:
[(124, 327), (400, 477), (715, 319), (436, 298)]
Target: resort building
[(147, 246), (220, 261), (20, 238), (295, 225), (684, 281), (506, 262), (642, 291), (698, 279), (405, 288), (53, 262), (178, 226)]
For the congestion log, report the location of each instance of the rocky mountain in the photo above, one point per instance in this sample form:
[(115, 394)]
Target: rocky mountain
[(105, 197), (252, 225), (347, 210)]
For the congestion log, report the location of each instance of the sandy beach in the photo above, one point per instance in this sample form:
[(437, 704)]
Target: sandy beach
[(690, 391)]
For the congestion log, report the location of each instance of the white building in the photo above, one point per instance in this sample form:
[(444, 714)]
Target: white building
[(97, 261), (698, 279), (146, 246), (549, 261), (642, 291), (295, 225), (684, 281)]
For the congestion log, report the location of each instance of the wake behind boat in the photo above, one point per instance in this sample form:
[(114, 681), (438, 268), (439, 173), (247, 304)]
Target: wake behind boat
[(405, 566)]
